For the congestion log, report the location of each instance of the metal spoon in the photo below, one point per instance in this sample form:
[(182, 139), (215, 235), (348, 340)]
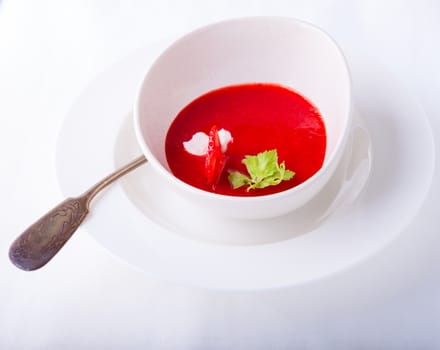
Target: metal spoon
[(41, 241)]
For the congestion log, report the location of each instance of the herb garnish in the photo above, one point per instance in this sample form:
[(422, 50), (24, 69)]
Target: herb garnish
[(263, 169)]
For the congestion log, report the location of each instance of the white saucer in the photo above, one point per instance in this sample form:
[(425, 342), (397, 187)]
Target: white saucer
[(148, 226)]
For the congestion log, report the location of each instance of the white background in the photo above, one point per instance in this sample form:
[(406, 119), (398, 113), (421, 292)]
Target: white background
[(85, 299)]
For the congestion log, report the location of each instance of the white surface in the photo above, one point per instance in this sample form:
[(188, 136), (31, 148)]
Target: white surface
[(50, 50), (167, 236)]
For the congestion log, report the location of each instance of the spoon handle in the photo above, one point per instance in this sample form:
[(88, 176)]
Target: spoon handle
[(43, 239)]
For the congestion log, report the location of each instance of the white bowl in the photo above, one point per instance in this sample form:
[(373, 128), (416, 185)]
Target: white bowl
[(260, 49)]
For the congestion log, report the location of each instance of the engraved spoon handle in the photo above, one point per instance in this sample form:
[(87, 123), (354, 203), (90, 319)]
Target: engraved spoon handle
[(43, 239)]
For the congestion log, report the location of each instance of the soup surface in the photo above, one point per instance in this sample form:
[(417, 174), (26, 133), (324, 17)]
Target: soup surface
[(259, 117)]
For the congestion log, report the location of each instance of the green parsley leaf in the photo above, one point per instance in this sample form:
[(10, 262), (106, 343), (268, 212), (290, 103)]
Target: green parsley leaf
[(238, 179), (263, 170)]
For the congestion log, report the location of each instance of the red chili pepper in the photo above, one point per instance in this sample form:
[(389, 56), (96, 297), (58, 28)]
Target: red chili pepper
[(215, 158)]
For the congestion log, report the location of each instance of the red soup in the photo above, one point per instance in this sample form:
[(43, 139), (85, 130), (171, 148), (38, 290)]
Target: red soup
[(259, 118)]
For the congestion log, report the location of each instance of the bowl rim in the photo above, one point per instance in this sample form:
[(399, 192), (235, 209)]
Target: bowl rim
[(330, 162)]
